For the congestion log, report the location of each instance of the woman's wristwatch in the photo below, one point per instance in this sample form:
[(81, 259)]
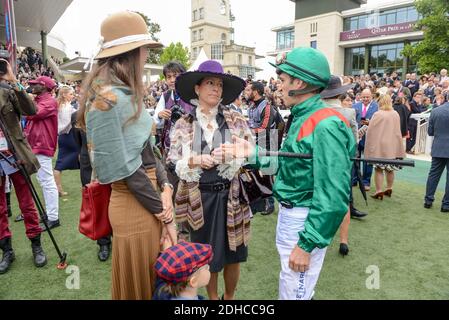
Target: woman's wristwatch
[(166, 184)]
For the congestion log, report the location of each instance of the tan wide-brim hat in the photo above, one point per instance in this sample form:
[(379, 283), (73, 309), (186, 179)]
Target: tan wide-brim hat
[(122, 32)]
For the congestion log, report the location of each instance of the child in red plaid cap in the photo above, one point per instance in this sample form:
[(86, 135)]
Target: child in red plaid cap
[(183, 269)]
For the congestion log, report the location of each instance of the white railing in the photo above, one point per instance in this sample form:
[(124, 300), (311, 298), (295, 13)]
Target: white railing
[(423, 141)]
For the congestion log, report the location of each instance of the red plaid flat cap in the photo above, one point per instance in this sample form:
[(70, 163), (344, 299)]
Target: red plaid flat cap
[(178, 263)]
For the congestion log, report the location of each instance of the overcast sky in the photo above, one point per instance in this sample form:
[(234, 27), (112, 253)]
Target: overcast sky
[(80, 24)]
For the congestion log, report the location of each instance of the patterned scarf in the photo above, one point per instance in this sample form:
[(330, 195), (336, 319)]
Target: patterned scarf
[(188, 198)]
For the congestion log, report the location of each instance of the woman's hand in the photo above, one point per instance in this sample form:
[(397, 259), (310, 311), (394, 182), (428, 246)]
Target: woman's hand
[(224, 155), (9, 76), (204, 161), (166, 216), (169, 236), (167, 203), (240, 149)]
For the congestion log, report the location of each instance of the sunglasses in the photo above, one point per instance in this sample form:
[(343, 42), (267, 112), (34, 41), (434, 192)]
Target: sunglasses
[(282, 59)]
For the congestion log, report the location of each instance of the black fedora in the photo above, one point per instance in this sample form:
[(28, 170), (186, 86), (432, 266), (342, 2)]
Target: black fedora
[(335, 88), (232, 85)]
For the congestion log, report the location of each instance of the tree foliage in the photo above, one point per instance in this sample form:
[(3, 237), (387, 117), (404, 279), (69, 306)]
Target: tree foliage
[(432, 53), (153, 28), (176, 52)]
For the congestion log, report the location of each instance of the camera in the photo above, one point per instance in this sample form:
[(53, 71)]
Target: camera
[(4, 54), (176, 113)]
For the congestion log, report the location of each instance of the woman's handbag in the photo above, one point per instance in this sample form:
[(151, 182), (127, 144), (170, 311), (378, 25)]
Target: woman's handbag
[(94, 214), (254, 186)]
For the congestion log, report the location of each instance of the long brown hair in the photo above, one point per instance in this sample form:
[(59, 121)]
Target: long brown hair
[(126, 68)]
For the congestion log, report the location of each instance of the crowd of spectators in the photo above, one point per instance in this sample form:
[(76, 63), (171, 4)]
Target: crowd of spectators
[(412, 93), (433, 87)]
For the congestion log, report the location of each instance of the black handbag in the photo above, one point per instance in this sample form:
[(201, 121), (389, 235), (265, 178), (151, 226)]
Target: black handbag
[(254, 186)]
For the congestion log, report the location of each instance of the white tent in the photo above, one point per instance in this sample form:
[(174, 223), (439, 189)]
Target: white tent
[(199, 60)]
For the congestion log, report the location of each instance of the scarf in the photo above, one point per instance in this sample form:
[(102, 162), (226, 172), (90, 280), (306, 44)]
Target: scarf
[(189, 207), (115, 142)]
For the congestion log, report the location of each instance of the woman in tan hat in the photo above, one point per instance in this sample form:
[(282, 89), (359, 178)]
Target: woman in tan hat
[(118, 136)]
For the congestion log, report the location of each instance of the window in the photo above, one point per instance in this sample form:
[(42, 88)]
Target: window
[(412, 65), (387, 17), (412, 14), (355, 61), (223, 37), (391, 18), (362, 22), (354, 23), (240, 60), (313, 44), (246, 71), (401, 15), (285, 39), (195, 53), (201, 34), (195, 15), (250, 60), (347, 24), (201, 13), (217, 51), (382, 20), (314, 27), (195, 36), (387, 58)]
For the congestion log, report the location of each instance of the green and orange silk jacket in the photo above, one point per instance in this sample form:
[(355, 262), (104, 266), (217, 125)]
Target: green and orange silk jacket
[(321, 184)]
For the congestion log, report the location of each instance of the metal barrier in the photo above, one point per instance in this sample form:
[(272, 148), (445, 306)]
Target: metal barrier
[(422, 139)]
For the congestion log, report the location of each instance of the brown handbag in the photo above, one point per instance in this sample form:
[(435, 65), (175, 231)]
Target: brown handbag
[(94, 213), (254, 186)]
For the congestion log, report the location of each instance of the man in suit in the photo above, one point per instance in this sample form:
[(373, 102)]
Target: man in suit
[(412, 84), (430, 90), (399, 88), (364, 112), (415, 107), (438, 128)]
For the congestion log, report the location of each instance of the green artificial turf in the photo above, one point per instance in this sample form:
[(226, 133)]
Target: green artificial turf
[(408, 245)]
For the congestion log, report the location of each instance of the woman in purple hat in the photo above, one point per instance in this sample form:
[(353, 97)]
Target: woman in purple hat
[(208, 194)]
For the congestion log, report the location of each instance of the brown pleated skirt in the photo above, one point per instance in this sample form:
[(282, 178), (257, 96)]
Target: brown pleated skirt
[(135, 244)]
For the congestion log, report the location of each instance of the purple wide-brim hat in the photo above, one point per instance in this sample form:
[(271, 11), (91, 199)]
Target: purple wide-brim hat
[(232, 85)]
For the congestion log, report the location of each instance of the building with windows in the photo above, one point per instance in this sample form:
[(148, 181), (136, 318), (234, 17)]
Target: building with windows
[(34, 20), (356, 38), (212, 31)]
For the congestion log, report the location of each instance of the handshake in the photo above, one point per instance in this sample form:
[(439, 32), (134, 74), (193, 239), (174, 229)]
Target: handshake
[(227, 152)]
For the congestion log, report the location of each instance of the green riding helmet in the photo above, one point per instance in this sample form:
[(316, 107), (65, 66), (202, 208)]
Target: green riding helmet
[(307, 64)]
